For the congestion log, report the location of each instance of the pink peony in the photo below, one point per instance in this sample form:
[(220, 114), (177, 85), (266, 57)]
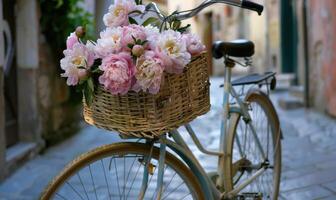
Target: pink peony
[(149, 73), (72, 40), (118, 14), (171, 48), (194, 44), (118, 73), (76, 63), (129, 33)]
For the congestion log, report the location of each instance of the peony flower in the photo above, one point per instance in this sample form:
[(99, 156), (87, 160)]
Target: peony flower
[(152, 34), (76, 63), (118, 73), (109, 42), (129, 33), (72, 40), (118, 14), (194, 44), (149, 73), (172, 50)]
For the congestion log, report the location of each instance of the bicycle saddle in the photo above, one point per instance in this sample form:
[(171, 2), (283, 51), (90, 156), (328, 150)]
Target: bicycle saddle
[(237, 48)]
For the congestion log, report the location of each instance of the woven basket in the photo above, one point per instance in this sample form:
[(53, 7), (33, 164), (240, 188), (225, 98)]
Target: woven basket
[(181, 99)]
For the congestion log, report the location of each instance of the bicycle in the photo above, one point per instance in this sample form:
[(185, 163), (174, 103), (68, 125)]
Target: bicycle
[(249, 156)]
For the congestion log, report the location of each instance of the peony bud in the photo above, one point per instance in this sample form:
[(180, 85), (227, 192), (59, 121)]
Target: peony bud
[(138, 50), (80, 31)]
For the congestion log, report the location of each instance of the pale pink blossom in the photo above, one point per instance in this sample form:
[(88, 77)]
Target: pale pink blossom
[(109, 42), (118, 73), (71, 40), (118, 14), (129, 33), (194, 44), (171, 48), (76, 63), (152, 34), (149, 73)]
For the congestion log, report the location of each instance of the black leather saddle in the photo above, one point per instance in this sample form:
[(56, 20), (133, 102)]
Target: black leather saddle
[(237, 48)]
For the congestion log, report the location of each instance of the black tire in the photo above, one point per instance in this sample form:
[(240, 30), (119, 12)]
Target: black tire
[(120, 151), (238, 129)]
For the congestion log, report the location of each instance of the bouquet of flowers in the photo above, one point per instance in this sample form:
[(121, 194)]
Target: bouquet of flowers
[(128, 56)]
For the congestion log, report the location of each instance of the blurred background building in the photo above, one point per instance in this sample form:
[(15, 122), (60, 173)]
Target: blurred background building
[(295, 38)]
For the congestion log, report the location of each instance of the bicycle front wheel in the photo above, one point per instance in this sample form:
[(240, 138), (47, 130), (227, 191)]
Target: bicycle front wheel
[(251, 150), (116, 171)]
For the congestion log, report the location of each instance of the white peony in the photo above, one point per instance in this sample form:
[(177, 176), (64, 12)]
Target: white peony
[(171, 48), (109, 42)]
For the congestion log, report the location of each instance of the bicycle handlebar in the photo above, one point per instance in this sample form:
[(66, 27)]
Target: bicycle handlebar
[(246, 4), (252, 6)]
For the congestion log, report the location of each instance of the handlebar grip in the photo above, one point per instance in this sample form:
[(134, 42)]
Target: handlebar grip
[(252, 6)]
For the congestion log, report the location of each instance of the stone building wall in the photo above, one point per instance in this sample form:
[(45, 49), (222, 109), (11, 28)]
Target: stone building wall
[(45, 114), (322, 47), (59, 116)]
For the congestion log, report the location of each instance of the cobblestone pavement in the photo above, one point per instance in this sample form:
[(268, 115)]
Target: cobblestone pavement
[(309, 154)]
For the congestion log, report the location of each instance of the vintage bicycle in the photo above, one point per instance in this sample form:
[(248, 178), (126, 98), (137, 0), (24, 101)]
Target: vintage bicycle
[(249, 156)]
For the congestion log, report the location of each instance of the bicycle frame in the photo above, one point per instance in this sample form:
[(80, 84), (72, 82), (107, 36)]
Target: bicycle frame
[(178, 145)]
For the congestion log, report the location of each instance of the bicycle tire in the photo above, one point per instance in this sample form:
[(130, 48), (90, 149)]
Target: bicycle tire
[(260, 98), (122, 149)]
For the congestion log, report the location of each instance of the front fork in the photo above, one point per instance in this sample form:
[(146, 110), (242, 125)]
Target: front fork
[(149, 169)]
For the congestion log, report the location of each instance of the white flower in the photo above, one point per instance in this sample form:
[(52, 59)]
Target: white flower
[(153, 34), (173, 51), (109, 42)]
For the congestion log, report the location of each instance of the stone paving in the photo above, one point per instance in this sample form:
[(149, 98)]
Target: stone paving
[(309, 154)]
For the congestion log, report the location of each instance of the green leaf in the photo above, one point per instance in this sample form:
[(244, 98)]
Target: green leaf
[(130, 46), (59, 4), (144, 42), (96, 71), (138, 2), (138, 42), (90, 85), (134, 39), (135, 12), (132, 20), (149, 21), (176, 25), (183, 29), (89, 92)]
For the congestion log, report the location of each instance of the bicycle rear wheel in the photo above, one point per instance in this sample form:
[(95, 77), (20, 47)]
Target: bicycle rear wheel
[(244, 157), (116, 171)]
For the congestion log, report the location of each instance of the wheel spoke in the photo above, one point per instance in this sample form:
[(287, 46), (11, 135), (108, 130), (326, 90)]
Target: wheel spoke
[(80, 180), (136, 175), (107, 184), (73, 189), (62, 197), (172, 191), (97, 175), (93, 183), (115, 167)]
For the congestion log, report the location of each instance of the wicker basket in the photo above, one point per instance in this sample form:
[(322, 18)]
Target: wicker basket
[(181, 99)]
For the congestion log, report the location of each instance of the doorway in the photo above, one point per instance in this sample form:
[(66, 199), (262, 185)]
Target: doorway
[(289, 37), (10, 70)]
